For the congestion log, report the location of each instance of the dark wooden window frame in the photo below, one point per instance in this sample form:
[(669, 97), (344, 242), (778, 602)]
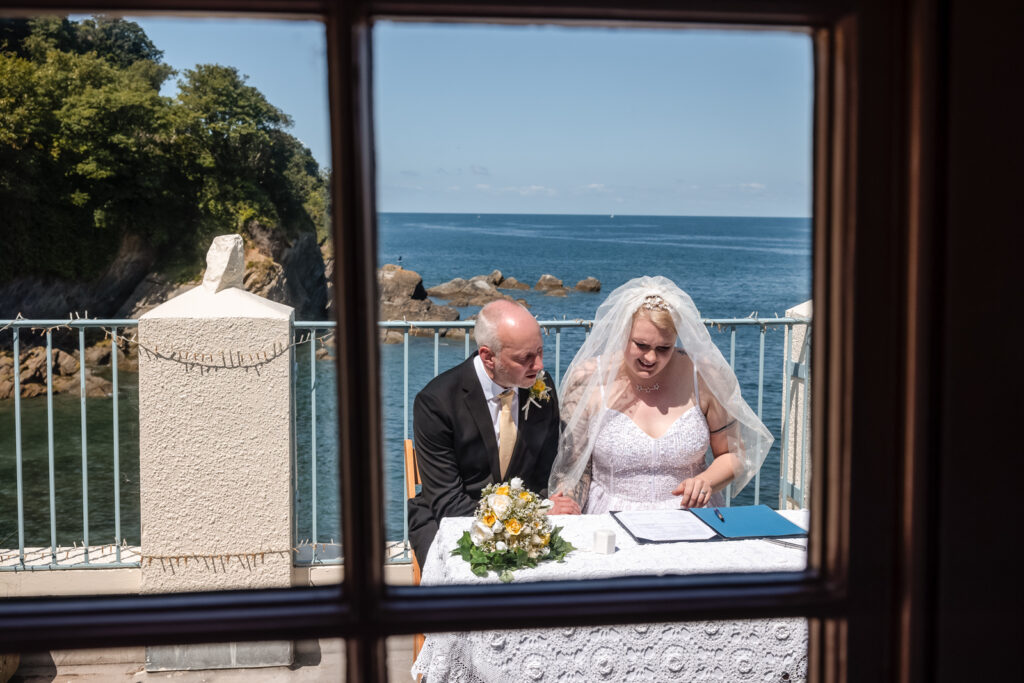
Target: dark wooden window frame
[(875, 255)]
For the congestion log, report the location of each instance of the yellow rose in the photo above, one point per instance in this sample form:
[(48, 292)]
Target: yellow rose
[(501, 490), (539, 386), (490, 519), (545, 539), (525, 495), (513, 526)]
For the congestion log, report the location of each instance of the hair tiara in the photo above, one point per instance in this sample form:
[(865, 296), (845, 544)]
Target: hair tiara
[(653, 302)]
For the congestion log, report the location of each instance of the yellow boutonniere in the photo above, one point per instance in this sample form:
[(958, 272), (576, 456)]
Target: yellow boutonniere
[(538, 392)]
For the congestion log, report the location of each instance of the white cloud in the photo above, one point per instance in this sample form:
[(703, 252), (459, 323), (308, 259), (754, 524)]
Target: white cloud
[(752, 187), (482, 186), (453, 188), (529, 190), (479, 170)]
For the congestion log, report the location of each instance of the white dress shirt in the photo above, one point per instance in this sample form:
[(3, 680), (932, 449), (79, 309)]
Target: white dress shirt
[(491, 391)]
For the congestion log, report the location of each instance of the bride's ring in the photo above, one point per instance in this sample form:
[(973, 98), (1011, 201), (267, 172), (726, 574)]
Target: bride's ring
[(703, 493)]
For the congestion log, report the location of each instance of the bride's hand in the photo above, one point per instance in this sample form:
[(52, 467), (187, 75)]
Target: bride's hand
[(695, 492), (563, 505)]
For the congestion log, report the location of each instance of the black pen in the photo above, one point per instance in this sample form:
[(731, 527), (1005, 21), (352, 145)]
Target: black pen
[(718, 513)]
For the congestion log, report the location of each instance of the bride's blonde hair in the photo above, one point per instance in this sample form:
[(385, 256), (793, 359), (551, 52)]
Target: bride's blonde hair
[(658, 312)]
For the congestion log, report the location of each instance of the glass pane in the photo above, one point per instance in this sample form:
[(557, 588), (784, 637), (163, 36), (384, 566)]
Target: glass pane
[(742, 650), (202, 452), (552, 168), (300, 660)]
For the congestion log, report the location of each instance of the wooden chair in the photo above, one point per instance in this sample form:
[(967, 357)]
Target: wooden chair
[(412, 480)]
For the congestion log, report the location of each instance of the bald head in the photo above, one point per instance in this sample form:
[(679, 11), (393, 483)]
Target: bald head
[(510, 344), (500, 317)]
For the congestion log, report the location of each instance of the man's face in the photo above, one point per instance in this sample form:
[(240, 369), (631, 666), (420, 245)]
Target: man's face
[(521, 357)]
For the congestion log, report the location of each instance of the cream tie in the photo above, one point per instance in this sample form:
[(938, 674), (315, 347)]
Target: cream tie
[(506, 431)]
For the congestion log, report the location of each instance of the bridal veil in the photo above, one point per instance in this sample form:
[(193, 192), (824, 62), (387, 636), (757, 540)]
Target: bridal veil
[(593, 380)]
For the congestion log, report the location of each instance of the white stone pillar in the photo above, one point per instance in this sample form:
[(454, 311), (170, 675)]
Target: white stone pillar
[(796, 456), (215, 449)]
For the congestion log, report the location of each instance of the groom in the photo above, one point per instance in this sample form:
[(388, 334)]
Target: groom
[(476, 424)]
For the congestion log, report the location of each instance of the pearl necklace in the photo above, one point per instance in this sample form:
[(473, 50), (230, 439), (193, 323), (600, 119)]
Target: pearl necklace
[(647, 389)]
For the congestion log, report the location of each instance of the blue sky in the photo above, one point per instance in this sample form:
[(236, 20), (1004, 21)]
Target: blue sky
[(525, 119)]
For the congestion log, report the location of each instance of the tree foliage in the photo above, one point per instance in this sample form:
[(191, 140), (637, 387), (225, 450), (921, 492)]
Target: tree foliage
[(90, 151)]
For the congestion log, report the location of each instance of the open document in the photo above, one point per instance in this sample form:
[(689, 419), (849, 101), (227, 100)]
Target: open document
[(703, 524), (664, 526)]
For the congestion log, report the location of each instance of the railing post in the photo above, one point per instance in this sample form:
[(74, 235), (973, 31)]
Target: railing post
[(85, 444), (49, 446), (312, 437), (17, 446), (117, 448)]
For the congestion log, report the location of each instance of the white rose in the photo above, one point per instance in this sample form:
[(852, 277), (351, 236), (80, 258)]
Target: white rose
[(500, 546), (547, 504), (497, 528), (499, 504), (480, 533), (537, 540), (517, 483)]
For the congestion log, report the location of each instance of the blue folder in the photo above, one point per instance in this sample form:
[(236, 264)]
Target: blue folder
[(748, 521)]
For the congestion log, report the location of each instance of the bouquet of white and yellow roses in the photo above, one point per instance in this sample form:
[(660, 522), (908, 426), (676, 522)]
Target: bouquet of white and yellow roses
[(511, 531)]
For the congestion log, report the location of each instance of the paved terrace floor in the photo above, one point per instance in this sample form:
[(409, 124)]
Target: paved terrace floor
[(322, 660)]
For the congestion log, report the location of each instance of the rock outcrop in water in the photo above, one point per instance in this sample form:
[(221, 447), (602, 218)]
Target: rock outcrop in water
[(32, 374), (402, 297), (476, 291)]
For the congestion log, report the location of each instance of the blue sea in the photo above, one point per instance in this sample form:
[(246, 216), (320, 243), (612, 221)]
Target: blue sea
[(731, 267)]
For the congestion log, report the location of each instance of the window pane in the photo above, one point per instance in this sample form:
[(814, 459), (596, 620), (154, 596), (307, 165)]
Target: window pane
[(301, 660), (763, 650), (551, 166), (202, 453)]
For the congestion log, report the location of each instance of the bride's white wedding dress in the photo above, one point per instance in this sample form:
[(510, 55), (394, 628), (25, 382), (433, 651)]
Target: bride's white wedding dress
[(631, 470)]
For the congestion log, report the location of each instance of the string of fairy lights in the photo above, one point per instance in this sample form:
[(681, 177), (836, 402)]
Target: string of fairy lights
[(216, 359)]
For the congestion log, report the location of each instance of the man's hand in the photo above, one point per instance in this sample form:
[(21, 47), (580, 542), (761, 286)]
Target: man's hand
[(563, 505)]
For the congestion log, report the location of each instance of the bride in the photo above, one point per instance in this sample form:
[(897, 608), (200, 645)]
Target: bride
[(642, 401)]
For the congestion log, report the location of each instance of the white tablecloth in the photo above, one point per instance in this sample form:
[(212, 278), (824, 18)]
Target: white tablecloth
[(747, 650)]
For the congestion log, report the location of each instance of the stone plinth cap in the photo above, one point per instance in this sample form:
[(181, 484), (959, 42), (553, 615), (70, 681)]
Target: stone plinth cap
[(228, 303), (804, 310)]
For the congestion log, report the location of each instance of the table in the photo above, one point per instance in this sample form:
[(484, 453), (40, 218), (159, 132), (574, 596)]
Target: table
[(744, 650)]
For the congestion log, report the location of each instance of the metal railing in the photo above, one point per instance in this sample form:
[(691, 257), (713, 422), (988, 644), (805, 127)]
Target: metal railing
[(112, 554), (85, 556)]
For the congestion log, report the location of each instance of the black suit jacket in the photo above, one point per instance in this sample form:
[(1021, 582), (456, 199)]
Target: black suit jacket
[(458, 453)]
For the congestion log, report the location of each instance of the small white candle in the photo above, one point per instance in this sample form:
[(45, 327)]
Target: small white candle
[(604, 541)]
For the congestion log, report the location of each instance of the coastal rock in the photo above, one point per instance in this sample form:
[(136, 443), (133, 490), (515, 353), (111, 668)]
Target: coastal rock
[(447, 290), (557, 291), (153, 290), (512, 283), (402, 297), (293, 273), (394, 283), (548, 281), (588, 284), (329, 279), (55, 298), (477, 291), (288, 273), (495, 277), (32, 375)]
